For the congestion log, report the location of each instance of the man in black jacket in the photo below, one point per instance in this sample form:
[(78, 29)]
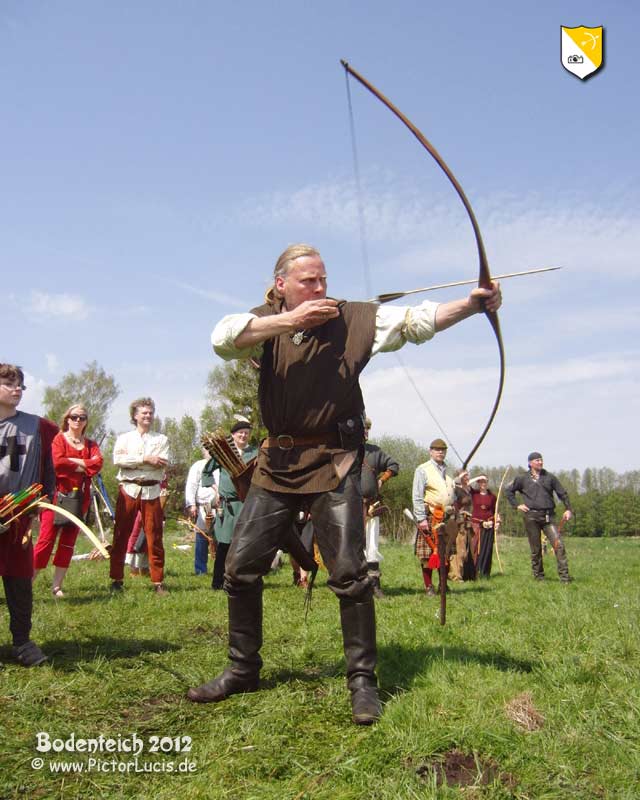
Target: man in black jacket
[(537, 488)]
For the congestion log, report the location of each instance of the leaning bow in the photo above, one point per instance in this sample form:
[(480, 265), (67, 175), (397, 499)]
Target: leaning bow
[(484, 276)]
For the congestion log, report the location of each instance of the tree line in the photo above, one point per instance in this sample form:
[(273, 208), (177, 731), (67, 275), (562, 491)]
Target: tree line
[(605, 502)]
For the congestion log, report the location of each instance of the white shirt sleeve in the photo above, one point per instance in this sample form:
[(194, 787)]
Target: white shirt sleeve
[(163, 449), (128, 451), (191, 486), (417, 494), (227, 331), (397, 325)]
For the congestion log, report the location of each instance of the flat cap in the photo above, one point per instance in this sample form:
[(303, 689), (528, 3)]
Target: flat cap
[(240, 426)]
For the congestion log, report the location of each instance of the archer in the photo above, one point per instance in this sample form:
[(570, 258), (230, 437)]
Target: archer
[(311, 350)]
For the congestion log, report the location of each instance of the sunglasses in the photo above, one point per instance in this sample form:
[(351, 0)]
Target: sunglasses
[(78, 417)]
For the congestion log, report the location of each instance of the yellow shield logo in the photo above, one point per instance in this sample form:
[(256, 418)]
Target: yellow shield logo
[(581, 50)]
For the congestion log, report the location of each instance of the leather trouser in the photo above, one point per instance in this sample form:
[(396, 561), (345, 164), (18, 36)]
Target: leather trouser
[(536, 523), (265, 520)]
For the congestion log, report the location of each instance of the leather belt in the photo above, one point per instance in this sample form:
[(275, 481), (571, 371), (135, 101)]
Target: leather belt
[(286, 442), (141, 482)]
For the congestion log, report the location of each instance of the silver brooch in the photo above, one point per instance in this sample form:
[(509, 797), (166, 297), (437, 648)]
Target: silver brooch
[(298, 337)]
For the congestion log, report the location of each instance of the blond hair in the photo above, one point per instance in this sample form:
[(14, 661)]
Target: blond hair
[(64, 425), (284, 264)]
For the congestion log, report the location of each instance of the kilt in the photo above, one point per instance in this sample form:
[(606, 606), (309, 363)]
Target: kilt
[(424, 551), (422, 548)]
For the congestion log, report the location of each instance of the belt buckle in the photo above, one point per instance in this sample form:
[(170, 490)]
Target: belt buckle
[(282, 446)]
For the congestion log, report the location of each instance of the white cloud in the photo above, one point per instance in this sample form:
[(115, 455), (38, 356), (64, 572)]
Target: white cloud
[(58, 305), (578, 411), (539, 231), (32, 397)]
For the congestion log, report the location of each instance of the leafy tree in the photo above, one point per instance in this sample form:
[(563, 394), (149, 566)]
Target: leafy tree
[(588, 480), (92, 388), (184, 449), (183, 440), (631, 481), (232, 388)]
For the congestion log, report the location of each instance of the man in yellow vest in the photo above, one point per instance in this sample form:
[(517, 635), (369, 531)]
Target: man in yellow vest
[(434, 492)]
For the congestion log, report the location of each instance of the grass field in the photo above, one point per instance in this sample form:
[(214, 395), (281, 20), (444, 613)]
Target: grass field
[(530, 691)]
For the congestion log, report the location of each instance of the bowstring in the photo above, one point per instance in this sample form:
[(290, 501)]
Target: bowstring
[(364, 252), (427, 407), (365, 256)]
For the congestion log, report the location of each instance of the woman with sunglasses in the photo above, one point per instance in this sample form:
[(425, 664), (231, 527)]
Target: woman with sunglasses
[(76, 460)]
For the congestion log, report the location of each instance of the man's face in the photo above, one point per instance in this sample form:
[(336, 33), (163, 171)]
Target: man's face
[(438, 454), (536, 464), (144, 417), (10, 392), (306, 280), (241, 437)]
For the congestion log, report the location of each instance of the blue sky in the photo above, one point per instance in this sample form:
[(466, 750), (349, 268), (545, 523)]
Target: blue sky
[(157, 157)]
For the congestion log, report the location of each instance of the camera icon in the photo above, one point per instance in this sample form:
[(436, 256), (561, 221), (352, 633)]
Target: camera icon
[(575, 60)]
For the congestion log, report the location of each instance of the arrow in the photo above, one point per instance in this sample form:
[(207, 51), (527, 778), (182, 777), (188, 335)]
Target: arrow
[(387, 298)]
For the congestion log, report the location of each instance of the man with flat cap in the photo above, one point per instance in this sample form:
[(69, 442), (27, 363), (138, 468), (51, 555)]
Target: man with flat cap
[(537, 487), (229, 504), (434, 491)]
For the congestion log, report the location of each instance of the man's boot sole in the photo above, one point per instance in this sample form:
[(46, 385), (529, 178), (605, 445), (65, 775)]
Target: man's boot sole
[(198, 696)]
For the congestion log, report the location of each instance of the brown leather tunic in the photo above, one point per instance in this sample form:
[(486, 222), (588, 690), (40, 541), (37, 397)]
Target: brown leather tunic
[(308, 389)]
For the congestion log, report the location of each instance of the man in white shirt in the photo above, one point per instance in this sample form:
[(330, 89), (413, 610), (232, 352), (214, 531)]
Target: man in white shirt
[(142, 457), (200, 504)]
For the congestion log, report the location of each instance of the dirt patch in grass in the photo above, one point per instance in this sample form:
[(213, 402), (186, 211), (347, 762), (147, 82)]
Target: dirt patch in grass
[(215, 631), (456, 768), (522, 711), (147, 710)]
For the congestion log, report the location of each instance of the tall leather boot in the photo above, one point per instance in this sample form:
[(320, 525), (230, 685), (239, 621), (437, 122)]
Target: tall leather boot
[(245, 641), (359, 638), (373, 571)]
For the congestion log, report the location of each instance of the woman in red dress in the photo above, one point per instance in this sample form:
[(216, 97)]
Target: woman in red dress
[(75, 461), (484, 511)]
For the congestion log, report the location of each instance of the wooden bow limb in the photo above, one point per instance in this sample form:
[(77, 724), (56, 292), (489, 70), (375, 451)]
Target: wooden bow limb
[(213, 542), (484, 275), (387, 298), (195, 528), (443, 571), (96, 511), (83, 527), (495, 519), (431, 542)]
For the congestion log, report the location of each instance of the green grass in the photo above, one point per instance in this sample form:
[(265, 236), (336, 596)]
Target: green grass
[(122, 665)]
